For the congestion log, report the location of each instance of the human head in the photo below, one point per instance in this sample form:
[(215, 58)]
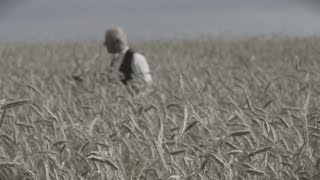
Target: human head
[(115, 40)]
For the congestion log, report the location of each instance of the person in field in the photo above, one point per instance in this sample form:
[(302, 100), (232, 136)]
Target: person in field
[(132, 65)]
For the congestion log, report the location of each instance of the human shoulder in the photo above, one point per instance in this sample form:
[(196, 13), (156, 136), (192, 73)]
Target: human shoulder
[(138, 56)]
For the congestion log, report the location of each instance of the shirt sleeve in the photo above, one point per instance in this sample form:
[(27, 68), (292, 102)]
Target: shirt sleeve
[(141, 68), (115, 61)]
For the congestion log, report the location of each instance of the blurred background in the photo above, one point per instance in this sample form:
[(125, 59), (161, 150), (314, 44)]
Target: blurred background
[(31, 20)]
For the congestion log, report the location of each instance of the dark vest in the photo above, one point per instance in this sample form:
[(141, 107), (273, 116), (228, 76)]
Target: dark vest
[(125, 67)]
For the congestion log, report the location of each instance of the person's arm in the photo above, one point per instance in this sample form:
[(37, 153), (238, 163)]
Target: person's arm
[(111, 71), (114, 58), (141, 68), (112, 62)]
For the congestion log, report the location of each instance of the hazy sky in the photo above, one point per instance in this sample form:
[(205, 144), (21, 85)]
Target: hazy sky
[(27, 20)]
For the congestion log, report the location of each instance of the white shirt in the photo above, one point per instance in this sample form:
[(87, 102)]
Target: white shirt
[(139, 66)]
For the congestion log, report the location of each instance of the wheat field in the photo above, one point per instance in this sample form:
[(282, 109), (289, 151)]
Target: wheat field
[(237, 109)]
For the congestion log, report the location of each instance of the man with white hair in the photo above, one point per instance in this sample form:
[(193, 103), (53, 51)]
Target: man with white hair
[(131, 64)]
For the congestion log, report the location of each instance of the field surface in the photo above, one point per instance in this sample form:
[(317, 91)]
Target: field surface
[(219, 109)]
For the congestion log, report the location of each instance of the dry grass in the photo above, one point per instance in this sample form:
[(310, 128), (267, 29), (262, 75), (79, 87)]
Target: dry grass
[(238, 109)]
